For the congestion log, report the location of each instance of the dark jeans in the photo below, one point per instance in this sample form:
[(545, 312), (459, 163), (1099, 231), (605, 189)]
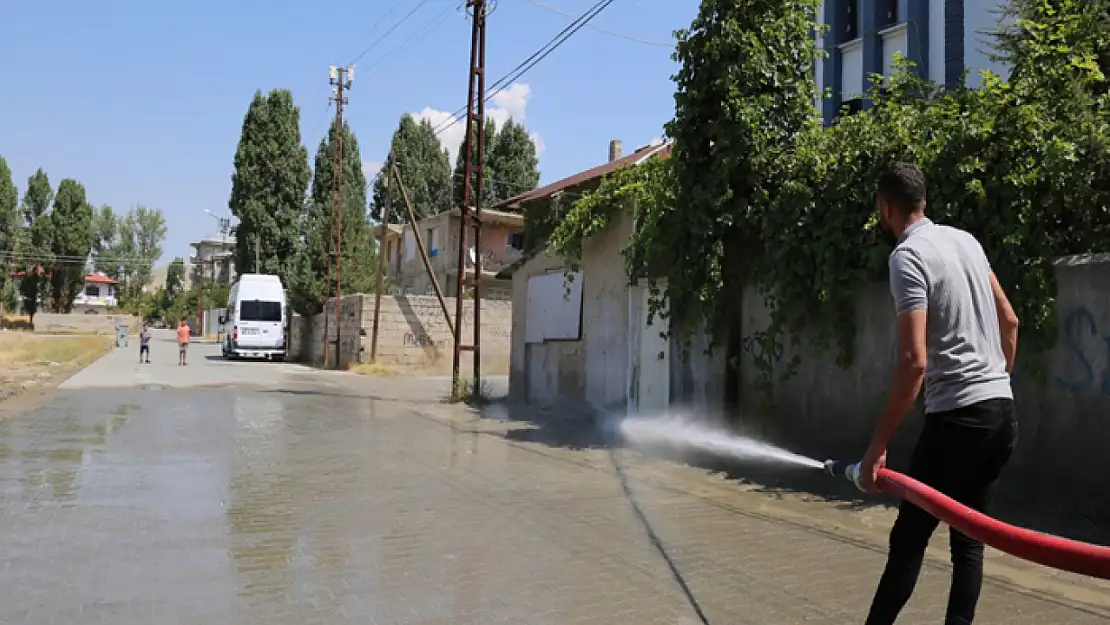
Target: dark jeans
[(960, 453)]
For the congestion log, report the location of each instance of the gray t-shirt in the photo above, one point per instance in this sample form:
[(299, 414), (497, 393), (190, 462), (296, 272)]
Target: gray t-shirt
[(944, 270)]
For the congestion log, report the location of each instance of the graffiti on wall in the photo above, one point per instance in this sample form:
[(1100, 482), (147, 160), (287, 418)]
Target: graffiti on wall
[(421, 339), (1087, 365)]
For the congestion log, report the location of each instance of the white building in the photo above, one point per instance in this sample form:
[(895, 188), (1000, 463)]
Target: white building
[(98, 294), (213, 259), (942, 37)]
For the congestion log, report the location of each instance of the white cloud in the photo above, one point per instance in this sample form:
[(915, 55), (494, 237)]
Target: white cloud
[(656, 141), (508, 103)]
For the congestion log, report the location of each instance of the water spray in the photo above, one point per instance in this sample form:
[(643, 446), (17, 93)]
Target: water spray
[(1046, 549)]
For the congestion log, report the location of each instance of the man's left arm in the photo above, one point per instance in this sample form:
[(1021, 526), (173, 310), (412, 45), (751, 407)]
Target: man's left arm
[(909, 286)]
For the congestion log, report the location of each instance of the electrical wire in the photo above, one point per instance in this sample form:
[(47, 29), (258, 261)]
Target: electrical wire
[(419, 35), (551, 9), (530, 62), (382, 37)]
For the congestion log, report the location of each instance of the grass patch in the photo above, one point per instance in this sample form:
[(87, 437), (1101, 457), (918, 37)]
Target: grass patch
[(474, 394), (373, 368), (22, 349)]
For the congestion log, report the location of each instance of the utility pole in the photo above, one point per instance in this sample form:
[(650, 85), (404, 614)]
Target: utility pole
[(388, 173), (257, 251), (475, 131), (340, 78)]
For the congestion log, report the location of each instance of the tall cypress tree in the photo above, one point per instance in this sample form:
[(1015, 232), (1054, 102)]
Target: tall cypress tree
[(513, 162), (10, 222), (71, 242), (458, 178), (425, 167), (37, 234), (269, 184), (310, 284)]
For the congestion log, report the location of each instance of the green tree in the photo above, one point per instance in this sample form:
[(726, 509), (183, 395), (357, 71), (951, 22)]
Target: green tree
[(10, 222), (149, 227), (269, 184), (37, 240), (425, 167), (459, 176), (744, 95), (106, 230), (310, 285), (513, 163), (175, 277), (71, 242)]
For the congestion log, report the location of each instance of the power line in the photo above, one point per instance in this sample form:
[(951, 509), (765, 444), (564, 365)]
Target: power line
[(535, 58), (420, 34), (551, 9), (374, 43)]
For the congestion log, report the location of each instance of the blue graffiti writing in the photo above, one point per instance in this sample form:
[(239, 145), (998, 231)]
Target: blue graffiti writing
[(1079, 328)]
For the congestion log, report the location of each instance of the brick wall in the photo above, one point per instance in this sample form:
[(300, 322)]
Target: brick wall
[(412, 332)]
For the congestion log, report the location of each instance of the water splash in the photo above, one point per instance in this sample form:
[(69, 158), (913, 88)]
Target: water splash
[(682, 432)]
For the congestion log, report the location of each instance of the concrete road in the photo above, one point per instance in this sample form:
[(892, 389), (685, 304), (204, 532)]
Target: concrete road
[(262, 493)]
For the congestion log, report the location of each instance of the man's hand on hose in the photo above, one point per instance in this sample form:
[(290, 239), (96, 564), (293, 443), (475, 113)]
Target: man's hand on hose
[(873, 460)]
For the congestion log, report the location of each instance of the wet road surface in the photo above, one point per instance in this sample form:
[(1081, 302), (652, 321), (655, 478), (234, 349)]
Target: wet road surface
[(288, 498)]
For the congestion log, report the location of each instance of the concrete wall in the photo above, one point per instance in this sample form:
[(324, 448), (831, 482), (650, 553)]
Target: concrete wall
[(542, 373), (605, 320), (412, 332), (48, 323), (1064, 414)]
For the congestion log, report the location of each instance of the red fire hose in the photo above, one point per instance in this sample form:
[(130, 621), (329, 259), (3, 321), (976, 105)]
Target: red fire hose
[(1054, 551)]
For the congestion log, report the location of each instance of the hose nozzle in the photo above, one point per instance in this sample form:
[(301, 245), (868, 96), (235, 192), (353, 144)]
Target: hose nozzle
[(837, 468)]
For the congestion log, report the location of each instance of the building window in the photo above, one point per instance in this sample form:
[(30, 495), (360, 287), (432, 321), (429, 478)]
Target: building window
[(516, 240), (430, 240), (888, 15), (852, 106), (92, 291), (849, 20)]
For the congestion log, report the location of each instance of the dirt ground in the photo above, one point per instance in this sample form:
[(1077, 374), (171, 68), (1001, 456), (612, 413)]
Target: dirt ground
[(30, 363)]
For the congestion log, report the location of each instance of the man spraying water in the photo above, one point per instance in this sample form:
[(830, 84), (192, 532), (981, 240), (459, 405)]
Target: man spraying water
[(957, 334)]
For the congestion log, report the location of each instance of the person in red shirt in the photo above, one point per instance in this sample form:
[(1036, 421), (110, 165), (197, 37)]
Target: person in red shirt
[(182, 342)]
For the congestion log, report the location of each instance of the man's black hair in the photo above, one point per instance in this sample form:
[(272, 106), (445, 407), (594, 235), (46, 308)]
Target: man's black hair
[(903, 185)]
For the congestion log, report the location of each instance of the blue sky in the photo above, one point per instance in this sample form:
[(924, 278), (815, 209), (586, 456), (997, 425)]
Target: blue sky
[(143, 101)]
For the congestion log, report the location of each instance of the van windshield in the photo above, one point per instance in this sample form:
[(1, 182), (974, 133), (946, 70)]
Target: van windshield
[(260, 311)]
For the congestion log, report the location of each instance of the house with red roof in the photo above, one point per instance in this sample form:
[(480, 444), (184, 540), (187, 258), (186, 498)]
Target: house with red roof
[(98, 294)]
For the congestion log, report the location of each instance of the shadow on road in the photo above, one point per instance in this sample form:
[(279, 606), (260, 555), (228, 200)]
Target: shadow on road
[(577, 429), (679, 579)]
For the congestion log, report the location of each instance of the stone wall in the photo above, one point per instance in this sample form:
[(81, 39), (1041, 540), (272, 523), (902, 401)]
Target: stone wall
[(1064, 412), (52, 323), (412, 332)]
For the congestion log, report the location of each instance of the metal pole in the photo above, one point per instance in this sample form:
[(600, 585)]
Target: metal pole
[(476, 69), (381, 264), (200, 287), (480, 26), (423, 250), (339, 100)]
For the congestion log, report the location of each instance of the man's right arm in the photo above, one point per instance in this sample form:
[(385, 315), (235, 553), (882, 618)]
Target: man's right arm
[(1007, 323)]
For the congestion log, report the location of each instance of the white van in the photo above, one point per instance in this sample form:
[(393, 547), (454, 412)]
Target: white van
[(256, 318)]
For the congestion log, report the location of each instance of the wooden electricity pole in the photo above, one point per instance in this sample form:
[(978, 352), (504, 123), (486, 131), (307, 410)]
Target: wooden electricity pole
[(474, 146), (341, 78)]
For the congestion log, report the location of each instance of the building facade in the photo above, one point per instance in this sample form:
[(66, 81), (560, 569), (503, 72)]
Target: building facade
[(942, 37), (98, 294), (501, 242), (213, 259)]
